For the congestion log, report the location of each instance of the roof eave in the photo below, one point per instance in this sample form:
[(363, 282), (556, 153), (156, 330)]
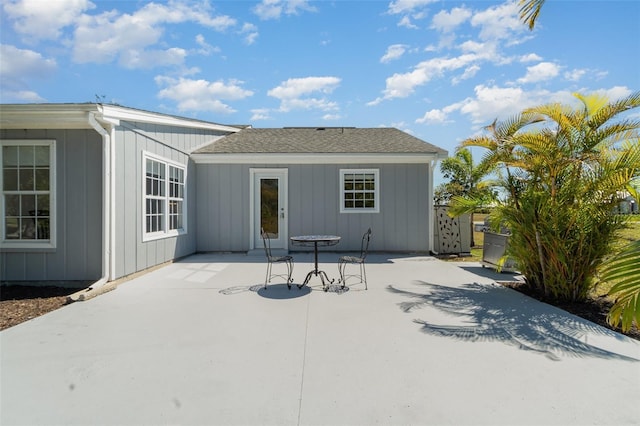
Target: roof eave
[(113, 113), (75, 116), (315, 158), (45, 116)]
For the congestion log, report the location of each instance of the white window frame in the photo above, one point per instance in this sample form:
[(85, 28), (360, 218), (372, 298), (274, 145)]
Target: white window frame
[(166, 199), (30, 244), (376, 191)]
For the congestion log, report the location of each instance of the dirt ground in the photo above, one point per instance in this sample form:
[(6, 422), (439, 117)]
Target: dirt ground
[(22, 303)]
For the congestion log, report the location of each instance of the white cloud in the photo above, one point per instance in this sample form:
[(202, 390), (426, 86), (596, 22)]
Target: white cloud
[(141, 59), (205, 48), (499, 22), (202, 95), (491, 102), (439, 116), (294, 93), (410, 10), (434, 116), (109, 36), (17, 68), (405, 21), (331, 117), (575, 75), (260, 114), (39, 20), (401, 85), (447, 21), (472, 46), (394, 51), (407, 6), (531, 57), (615, 93), (540, 72), (273, 9), (20, 96), (296, 87), (468, 73), (21, 63), (250, 33)]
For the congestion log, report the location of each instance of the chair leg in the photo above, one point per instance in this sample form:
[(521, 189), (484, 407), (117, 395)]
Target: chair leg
[(267, 278), (290, 272), (363, 273), (341, 266)]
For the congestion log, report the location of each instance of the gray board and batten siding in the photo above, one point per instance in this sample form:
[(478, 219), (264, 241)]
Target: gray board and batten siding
[(79, 208), (78, 217), (174, 144), (403, 225), (313, 158)]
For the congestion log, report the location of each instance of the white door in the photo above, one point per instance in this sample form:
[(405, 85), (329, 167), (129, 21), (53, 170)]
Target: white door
[(270, 206)]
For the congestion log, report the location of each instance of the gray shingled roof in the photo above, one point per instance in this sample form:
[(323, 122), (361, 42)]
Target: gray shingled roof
[(321, 140)]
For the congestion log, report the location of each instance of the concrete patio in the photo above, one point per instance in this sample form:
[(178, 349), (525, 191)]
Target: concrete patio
[(199, 342)]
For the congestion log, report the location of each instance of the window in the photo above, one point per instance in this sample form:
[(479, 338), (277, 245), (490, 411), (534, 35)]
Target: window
[(164, 198), (27, 182), (359, 191)]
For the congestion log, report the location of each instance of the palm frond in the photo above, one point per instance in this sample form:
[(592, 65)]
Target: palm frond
[(529, 11), (624, 268)]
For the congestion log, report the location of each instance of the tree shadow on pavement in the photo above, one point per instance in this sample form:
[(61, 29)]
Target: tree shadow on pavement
[(495, 313)]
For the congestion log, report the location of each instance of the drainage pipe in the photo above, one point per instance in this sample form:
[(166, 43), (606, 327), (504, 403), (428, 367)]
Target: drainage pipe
[(106, 203)]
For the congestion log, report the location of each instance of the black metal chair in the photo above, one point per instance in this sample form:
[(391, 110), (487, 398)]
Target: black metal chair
[(356, 260), (288, 260)]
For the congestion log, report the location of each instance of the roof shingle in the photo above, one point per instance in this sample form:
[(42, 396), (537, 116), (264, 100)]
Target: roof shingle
[(321, 140)]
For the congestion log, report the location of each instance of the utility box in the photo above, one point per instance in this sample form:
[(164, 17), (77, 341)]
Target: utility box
[(494, 249)]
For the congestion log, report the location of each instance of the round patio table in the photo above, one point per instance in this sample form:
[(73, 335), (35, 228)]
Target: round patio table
[(315, 241)]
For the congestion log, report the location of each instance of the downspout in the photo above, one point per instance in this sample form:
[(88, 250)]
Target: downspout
[(106, 203)]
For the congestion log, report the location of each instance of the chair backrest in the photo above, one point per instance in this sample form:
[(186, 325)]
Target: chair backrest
[(364, 246), (266, 242)]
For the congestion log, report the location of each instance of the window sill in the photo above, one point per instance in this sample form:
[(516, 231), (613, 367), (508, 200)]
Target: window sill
[(360, 211), (162, 235), (9, 246)]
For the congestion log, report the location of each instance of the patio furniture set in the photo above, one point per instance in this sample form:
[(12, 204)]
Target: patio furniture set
[(316, 241)]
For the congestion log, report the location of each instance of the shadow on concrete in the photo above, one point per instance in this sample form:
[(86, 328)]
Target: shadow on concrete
[(492, 273), (496, 313), (282, 292), (273, 291)]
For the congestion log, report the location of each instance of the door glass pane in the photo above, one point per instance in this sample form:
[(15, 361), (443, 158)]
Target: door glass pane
[(269, 207)]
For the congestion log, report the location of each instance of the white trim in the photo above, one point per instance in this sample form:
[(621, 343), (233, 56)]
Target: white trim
[(167, 233), (376, 173), (314, 158), (73, 116), (32, 244), (111, 112)]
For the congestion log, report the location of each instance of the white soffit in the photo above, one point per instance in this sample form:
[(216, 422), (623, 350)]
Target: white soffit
[(75, 116)]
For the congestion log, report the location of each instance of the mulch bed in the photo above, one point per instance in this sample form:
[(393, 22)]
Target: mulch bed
[(19, 303)]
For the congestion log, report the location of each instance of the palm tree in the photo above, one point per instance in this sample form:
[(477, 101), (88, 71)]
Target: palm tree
[(562, 178), (529, 11), (465, 180)]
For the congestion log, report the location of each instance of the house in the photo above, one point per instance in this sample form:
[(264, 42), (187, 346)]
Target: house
[(93, 192)]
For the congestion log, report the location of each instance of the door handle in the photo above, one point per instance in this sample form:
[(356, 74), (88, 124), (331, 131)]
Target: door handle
[(282, 215)]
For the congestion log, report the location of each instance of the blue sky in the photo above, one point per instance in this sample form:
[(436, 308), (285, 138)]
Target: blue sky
[(439, 70)]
